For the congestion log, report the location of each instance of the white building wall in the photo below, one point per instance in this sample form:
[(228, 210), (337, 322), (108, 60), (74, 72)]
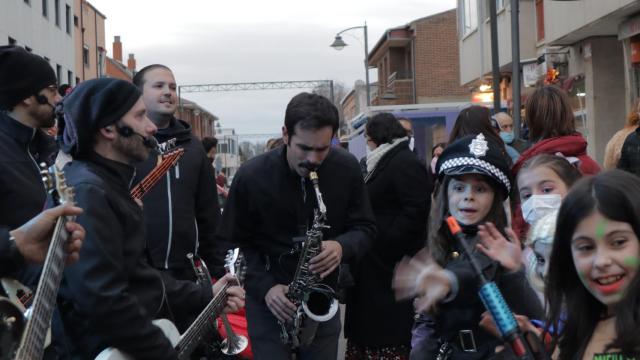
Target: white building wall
[(564, 17), (474, 63), (24, 22)]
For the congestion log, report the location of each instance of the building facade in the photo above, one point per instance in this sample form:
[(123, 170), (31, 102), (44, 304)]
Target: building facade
[(585, 47), (44, 27), (418, 63), (90, 50)]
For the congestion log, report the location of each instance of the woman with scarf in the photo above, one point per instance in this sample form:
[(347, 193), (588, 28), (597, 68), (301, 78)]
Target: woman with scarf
[(376, 326)]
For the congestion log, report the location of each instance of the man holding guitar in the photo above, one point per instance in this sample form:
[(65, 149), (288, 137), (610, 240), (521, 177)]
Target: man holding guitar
[(109, 297)]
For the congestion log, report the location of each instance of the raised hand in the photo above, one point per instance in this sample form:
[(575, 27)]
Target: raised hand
[(493, 244)]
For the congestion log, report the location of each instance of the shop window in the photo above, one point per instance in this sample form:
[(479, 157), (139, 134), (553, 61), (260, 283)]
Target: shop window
[(469, 16)]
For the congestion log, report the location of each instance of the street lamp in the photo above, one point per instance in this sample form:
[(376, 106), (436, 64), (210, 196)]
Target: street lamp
[(339, 44)]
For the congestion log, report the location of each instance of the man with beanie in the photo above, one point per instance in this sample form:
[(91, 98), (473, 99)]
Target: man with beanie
[(181, 212), (28, 94), (109, 297)]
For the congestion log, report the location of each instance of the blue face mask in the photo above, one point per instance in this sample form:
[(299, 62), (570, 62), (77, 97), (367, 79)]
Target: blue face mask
[(507, 137)]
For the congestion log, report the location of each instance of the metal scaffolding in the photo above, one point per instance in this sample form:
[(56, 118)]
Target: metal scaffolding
[(265, 85)]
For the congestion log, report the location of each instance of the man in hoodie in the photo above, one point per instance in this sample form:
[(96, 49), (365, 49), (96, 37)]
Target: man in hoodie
[(181, 211)]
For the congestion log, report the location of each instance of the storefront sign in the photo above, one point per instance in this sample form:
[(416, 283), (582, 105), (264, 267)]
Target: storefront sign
[(629, 28)]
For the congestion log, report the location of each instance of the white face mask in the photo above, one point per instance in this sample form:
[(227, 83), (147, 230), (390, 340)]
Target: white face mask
[(537, 206), (412, 143)]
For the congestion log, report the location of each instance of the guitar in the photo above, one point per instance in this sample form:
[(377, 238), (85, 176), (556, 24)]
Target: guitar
[(167, 159), (29, 329), (186, 343)]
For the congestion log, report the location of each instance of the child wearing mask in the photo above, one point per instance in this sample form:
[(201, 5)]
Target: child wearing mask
[(475, 181), (593, 287)]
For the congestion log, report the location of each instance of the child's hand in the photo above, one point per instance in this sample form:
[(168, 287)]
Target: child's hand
[(494, 245), (525, 326), (423, 278)]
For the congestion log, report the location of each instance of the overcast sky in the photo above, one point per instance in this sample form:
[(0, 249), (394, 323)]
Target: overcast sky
[(213, 41)]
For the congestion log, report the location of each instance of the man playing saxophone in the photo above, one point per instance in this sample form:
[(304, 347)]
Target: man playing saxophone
[(270, 209)]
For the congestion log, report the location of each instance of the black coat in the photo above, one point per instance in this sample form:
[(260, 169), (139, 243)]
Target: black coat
[(181, 211), (399, 191), (10, 258), (22, 193), (110, 296), (630, 154), (265, 211)]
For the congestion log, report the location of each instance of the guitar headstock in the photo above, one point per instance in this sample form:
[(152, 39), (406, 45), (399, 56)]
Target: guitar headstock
[(56, 184), (235, 264)]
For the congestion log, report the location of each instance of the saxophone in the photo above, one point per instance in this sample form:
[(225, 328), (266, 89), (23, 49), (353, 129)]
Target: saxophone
[(315, 302)]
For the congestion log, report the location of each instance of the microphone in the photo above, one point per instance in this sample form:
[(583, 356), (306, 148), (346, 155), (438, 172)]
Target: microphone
[(149, 142), (42, 100)]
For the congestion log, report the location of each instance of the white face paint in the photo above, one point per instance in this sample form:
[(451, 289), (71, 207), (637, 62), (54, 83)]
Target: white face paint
[(537, 206)]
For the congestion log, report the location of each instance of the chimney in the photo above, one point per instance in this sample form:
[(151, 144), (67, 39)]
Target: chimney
[(117, 49), (131, 63)]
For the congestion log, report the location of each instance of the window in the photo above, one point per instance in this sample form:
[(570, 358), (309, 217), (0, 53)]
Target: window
[(45, 8), (68, 18), (77, 80), (75, 21), (27, 2), (59, 73), (56, 5), (469, 16), (12, 41), (500, 4), (540, 20), (85, 55), (69, 78)]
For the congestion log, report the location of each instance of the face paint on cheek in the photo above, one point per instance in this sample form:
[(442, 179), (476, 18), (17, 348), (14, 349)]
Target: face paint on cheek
[(632, 261)]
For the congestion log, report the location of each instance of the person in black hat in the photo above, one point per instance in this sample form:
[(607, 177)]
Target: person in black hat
[(110, 296), (27, 98), (476, 181)]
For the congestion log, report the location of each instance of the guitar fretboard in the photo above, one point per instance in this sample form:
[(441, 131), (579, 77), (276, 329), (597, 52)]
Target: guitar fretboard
[(32, 342), (194, 334), (156, 174)]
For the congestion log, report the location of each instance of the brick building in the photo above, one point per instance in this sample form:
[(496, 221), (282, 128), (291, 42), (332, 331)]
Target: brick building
[(115, 67), (419, 62), (90, 50)]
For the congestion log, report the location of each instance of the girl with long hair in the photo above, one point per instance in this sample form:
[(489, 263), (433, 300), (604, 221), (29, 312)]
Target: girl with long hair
[(593, 287)]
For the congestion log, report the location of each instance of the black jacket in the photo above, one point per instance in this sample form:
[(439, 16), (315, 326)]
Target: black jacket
[(464, 310), (10, 258), (265, 210), (630, 154), (110, 296), (399, 191), (181, 211), (22, 193)]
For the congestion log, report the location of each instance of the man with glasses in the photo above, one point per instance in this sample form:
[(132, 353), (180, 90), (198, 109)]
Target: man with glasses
[(28, 95)]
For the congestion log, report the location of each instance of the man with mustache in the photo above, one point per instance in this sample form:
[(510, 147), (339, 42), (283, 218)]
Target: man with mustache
[(271, 206)]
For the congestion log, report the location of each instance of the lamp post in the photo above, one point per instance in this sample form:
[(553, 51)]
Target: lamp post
[(339, 44)]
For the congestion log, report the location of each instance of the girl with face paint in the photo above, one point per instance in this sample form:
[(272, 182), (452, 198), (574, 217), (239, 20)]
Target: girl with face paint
[(593, 286)]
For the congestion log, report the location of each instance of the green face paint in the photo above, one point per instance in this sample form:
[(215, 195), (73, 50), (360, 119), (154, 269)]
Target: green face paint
[(632, 261), (601, 228)]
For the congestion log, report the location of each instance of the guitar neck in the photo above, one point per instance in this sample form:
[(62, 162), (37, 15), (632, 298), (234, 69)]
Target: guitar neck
[(155, 175), (33, 339), (194, 334)]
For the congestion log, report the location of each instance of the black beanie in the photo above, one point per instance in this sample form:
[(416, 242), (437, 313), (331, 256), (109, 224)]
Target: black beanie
[(91, 106), (22, 74)]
